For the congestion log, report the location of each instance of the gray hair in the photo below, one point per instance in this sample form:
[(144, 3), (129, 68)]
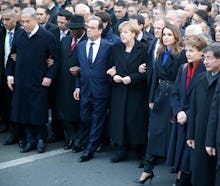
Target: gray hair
[(10, 11), (84, 7), (29, 10)]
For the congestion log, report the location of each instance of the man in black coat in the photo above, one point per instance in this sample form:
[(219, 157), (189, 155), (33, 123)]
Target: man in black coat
[(213, 129), (43, 16), (53, 9), (203, 165), (67, 108), (30, 78), (120, 10)]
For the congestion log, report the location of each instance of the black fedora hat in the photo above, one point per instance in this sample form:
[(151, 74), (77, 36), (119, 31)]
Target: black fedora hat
[(76, 21)]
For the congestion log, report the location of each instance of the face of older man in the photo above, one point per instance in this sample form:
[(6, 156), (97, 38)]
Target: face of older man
[(28, 22)]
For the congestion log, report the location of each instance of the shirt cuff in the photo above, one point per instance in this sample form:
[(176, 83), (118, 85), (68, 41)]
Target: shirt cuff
[(10, 77)]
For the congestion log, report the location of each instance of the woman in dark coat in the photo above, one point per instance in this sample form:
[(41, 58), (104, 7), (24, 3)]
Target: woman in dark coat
[(169, 59), (128, 93), (179, 152), (203, 166)]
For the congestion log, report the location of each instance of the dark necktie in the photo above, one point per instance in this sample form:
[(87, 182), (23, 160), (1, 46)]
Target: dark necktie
[(189, 74), (28, 34), (10, 34), (73, 45), (90, 56)]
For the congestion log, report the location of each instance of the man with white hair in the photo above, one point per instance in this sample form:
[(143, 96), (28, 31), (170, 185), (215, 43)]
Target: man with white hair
[(83, 10)]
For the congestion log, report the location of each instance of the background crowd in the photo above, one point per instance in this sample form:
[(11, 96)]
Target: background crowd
[(141, 75)]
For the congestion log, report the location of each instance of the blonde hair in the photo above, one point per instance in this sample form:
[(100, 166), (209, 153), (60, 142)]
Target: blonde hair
[(131, 26)]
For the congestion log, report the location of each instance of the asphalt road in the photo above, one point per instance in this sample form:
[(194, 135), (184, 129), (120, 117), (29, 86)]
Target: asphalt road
[(57, 167)]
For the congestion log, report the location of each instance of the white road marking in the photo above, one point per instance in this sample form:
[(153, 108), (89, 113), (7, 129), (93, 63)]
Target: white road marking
[(28, 159)]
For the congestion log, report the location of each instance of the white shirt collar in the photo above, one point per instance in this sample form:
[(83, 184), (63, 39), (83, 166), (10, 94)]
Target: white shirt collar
[(96, 42), (34, 31), (139, 37), (12, 30)]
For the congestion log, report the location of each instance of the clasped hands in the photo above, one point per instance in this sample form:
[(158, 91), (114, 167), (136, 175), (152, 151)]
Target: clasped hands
[(117, 78)]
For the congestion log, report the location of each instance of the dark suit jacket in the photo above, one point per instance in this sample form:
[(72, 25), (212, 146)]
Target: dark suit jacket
[(93, 78), (53, 15), (2, 49), (30, 98)]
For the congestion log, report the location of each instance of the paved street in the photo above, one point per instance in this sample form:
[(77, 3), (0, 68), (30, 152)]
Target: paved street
[(57, 167)]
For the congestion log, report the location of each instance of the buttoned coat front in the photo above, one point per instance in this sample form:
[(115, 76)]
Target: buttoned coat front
[(30, 98)]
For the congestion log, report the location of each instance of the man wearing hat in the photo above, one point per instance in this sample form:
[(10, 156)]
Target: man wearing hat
[(67, 107)]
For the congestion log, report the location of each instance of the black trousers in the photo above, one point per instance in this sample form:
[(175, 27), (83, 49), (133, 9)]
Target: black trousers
[(35, 132), (149, 163)]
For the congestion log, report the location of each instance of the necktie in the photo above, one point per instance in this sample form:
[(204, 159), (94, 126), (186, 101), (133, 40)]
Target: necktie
[(90, 56), (73, 45), (28, 34), (189, 74), (10, 34)]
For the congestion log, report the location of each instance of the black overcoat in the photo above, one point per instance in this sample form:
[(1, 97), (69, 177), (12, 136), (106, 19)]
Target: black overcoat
[(203, 166), (213, 129), (161, 88), (128, 106), (30, 98), (67, 107)]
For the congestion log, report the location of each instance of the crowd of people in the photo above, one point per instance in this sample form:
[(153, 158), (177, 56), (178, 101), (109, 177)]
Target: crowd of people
[(141, 75)]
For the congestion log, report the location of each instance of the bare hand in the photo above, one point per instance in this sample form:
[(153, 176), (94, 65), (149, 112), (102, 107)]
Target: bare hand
[(111, 71), (75, 70), (13, 56), (191, 143), (10, 84), (142, 68), (126, 80), (46, 82), (117, 79), (211, 151), (181, 117), (50, 61), (76, 94), (151, 106)]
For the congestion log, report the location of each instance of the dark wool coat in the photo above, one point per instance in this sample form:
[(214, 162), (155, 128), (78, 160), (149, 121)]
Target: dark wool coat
[(128, 106), (161, 88), (203, 166), (67, 108), (213, 129), (179, 152), (30, 98)]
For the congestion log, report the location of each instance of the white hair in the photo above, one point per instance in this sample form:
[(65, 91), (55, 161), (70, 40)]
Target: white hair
[(84, 7), (194, 29)]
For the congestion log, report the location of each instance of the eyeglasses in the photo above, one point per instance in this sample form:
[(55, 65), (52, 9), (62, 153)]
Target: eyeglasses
[(91, 27)]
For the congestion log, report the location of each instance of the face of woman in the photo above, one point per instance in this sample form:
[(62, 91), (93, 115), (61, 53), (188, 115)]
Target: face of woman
[(192, 54), (168, 37), (126, 35)]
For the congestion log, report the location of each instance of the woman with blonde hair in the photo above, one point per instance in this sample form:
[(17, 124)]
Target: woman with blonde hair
[(127, 124)]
